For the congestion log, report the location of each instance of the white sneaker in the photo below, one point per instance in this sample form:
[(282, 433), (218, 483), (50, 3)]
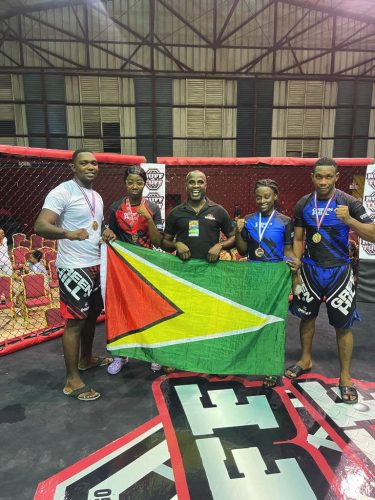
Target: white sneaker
[(155, 367), (116, 366)]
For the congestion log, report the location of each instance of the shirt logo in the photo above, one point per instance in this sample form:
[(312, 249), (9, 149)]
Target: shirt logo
[(209, 217)]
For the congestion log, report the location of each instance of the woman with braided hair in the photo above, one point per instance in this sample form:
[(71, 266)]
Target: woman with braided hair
[(266, 236)]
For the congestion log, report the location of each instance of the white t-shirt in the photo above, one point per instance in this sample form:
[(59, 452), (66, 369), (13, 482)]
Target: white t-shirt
[(5, 264), (68, 202)]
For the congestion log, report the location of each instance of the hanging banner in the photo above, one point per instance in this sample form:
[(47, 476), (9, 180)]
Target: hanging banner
[(155, 186), (367, 249)]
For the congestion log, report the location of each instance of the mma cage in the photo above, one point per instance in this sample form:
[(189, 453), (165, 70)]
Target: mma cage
[(29, 311)]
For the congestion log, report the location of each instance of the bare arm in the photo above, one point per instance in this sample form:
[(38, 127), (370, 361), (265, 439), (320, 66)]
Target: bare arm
[(292, 261), (45, 225), (155, 236), (241, 244), (364, 231), (181, 249)]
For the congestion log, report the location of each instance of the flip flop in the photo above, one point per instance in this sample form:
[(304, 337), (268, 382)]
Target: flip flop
[(297, 370), (82, 390), (348, 390), (99, 362)]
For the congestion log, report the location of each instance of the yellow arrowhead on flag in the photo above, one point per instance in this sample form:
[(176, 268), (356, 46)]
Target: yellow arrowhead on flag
[(204, 314)]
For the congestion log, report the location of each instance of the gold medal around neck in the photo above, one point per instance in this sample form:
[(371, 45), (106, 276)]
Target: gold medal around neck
[(95, 225), (316, 237), (259, 252)]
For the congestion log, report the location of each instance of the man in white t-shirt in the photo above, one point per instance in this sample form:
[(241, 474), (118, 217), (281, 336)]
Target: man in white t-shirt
[(73, 214)]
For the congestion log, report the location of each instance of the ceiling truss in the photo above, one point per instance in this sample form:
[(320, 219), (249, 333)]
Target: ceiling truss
[(277, 38)]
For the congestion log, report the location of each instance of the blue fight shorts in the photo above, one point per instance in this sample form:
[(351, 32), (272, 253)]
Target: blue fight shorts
[(332, 285)]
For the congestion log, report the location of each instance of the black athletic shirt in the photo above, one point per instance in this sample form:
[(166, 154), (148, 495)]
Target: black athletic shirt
[(332, 250), (199, 231)]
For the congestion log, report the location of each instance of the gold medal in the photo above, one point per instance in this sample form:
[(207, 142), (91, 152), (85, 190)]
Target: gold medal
[(316, 237), (259, 252), (95, 225)]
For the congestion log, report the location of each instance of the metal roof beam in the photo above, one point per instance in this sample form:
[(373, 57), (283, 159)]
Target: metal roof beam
[(186, 22), (248, 20), (285, 39), (331, 11), (356, 65)]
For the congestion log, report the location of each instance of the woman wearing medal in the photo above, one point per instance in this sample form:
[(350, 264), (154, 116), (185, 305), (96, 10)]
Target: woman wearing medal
[(137, 221), (266, 236)]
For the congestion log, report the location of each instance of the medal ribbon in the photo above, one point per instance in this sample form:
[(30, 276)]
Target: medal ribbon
[(261, 232), (319, 222), (134, 217), (90, 204)]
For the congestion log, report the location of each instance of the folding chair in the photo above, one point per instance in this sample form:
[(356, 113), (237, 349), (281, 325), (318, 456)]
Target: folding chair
[(53, 317), (6, 294), (35, 292), (53, 281), (48, 255), (50, 244), (36, 241), (18, 239), (19, 255)]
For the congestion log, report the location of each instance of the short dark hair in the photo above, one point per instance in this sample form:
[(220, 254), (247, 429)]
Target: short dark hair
[(79, 151), (270, 183), (192, 172), (135, 169), (37, 254), (325, 162)]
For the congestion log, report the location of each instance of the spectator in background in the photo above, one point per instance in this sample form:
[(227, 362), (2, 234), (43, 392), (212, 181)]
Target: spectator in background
[(137, 221), (34, 264), (5, 263)]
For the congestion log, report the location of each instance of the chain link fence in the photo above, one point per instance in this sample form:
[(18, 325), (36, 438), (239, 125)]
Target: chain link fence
[(29, 301), (29, 295)]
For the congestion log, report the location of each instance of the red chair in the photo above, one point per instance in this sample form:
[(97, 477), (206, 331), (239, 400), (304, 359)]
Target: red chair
[(53, 317), (19, 255), (53, 281), (50, 244), (19, 239), (36, 241), (48, 255), (6, 295), (53, 277), (35, 291)]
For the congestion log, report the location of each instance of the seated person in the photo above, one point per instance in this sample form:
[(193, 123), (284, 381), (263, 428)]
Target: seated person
[(34, 265)]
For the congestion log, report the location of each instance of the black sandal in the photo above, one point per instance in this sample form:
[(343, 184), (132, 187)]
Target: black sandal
[(296, 370), (270, 381), (348, 391)]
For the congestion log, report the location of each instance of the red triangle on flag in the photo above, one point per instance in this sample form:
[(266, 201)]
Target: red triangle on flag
[(148, 306)]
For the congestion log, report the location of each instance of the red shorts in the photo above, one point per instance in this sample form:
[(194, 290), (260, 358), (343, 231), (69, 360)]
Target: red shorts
[(80, 293)]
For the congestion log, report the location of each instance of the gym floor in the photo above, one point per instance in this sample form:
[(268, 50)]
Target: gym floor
[(43, 431)]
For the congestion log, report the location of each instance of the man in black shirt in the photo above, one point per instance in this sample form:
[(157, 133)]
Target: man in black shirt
[(196, 224)]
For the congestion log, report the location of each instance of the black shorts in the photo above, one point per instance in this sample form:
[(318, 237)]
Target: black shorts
[(80, 292), (332, 285)]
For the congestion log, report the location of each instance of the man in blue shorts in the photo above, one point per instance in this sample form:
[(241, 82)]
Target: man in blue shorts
[(322, 221)]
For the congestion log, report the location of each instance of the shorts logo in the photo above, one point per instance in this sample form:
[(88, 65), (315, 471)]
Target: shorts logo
[(343, 302), (74, 283)]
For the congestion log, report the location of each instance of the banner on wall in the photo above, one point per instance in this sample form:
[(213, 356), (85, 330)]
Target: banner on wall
[(155, 186), (367, 249)]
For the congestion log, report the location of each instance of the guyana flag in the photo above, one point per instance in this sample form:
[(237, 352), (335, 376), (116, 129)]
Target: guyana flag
[(227, 317)]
